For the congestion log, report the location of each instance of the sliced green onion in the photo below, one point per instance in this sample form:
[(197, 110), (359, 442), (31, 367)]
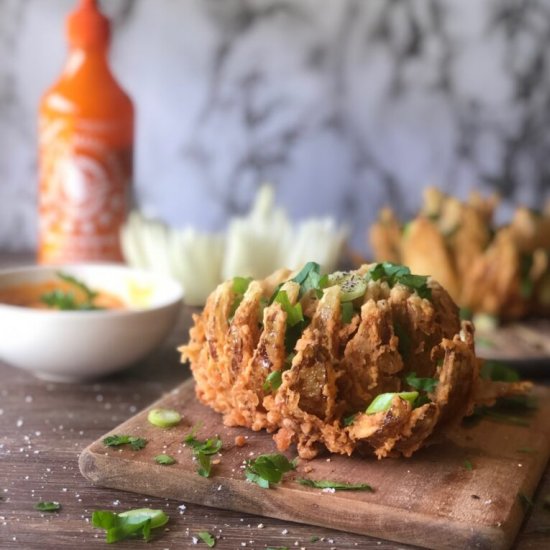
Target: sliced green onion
[(158, 517), (383, 401), (164, 418), (165, 460)]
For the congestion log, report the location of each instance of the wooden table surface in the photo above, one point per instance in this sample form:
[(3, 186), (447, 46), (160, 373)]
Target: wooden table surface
[(44, 427)]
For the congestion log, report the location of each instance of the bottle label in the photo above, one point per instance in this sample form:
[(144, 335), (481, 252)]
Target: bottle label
[(84, 188)]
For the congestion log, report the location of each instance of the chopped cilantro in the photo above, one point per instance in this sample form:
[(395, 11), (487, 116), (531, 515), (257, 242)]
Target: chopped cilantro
[(387, 270), (209, 446), (336, 485), (422, 399), (314, 539), (46, 506), (205, 464), (165, 460), (137, 443), (88, 292), (423, 384), (128, 524), (468, 465), (66, 301), (400, 274), (207, 538), (310, 278), (268, 468), (304, 274), (202, 450)]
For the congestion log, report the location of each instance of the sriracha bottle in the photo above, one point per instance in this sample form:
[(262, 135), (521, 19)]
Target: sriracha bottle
[(86, 132)]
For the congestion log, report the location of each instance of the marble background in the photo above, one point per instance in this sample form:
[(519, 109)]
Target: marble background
[(345, 105)]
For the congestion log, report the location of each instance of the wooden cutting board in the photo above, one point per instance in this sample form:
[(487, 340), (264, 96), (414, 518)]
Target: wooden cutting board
[(430, 500)]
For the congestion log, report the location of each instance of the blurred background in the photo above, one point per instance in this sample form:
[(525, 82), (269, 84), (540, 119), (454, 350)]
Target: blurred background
[(344, 105)]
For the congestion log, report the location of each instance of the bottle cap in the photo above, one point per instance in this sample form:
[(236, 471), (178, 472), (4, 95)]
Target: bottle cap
[(87, 26)]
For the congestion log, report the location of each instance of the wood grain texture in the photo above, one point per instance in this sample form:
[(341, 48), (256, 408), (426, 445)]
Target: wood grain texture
[(432, 498)]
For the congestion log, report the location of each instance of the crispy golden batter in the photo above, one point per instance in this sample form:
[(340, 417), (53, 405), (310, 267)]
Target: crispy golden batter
[(500, 271), (337, 366)]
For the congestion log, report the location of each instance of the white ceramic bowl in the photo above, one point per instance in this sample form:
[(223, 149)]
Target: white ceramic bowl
[(79, 345)]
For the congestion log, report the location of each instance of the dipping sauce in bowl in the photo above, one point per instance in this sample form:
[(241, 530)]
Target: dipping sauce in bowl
[(78, 322), (65, 293)]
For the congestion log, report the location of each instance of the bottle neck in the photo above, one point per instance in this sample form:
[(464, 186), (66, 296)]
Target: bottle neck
[(91, 59)]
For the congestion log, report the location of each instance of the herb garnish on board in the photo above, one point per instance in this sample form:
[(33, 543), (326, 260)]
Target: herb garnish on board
[(202, 450), (268, 468), (137, 443)]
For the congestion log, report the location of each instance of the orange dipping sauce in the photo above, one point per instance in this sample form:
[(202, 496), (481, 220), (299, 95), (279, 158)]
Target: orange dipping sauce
[(30, 295)]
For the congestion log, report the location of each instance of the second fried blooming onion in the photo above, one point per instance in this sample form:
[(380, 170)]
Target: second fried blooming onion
[(374, 360)]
